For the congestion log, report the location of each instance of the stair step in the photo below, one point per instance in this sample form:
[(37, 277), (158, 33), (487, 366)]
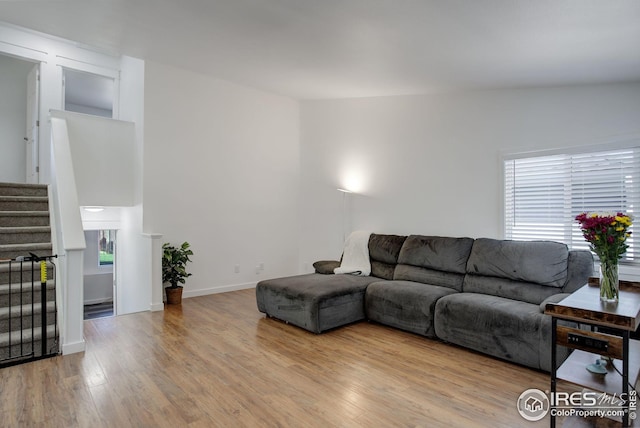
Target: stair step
[(16, 352), (24, 235), (24, 229), (25, 336), (15, 277), (17, 311), (24, 287), (30, 316), (24, 218), (26, 322), (17, 250), (23, 293), (24, 203), (22, 189)]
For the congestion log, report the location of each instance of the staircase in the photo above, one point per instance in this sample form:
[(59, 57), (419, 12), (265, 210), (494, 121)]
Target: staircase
[(25, 230)]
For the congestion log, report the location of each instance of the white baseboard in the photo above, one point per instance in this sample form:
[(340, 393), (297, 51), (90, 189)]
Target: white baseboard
[(73, 348), (155, 307), (223, 289), (96, 301)]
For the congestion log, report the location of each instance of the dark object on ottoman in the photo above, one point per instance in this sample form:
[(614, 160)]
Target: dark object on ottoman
[(326, 267)]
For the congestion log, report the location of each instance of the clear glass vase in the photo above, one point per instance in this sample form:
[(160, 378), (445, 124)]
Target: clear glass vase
[(609, 285)]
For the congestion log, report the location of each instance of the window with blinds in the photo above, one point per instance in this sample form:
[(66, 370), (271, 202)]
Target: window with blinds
[(544, 194)]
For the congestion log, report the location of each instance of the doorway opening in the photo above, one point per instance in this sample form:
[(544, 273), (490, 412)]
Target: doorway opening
[(99, 273), (18, 120)]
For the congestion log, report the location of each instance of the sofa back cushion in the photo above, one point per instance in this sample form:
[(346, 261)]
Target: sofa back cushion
[(383, 254), (540, 262), (529, 271), (434, 260)]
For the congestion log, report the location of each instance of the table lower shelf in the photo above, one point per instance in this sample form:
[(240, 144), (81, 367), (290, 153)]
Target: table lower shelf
[(574, 370), (578, 422)]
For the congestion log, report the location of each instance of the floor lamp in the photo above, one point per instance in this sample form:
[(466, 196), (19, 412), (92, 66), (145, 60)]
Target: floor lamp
[(344, 192)]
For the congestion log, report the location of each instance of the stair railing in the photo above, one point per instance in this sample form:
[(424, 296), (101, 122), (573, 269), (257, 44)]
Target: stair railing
[(22, 276)]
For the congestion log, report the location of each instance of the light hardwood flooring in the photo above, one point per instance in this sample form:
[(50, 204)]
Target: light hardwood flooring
[(215, 361)]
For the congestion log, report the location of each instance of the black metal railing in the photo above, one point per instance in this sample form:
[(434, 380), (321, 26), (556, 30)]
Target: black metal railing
[(25, 335)]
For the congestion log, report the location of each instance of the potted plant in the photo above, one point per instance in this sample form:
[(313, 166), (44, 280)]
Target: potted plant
[(174, 263)]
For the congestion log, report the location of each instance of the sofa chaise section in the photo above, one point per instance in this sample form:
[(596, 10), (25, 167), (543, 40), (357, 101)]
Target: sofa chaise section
[(314, 302), (318, 302)]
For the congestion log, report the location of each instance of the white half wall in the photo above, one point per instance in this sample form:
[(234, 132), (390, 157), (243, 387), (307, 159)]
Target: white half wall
[(221, 170), (104, 158), (431, 164), (13, 118)]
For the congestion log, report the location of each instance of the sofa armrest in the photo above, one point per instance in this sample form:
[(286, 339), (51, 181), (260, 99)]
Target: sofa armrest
[(556, 298)]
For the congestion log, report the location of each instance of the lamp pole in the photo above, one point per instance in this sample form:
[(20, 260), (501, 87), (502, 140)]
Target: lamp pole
[(344, 213)]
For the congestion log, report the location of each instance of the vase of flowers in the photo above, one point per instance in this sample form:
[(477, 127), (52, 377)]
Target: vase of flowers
[(607, 234)]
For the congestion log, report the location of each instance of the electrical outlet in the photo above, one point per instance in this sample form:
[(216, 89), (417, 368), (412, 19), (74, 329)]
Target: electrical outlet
[(258, 270), (237, 269), (261, 266)]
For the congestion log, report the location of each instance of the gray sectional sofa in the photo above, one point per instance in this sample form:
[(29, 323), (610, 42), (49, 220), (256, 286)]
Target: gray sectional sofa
[(484, 294)]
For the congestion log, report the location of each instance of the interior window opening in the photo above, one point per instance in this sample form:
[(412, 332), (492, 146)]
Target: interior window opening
[(88, 93), (106, 243)]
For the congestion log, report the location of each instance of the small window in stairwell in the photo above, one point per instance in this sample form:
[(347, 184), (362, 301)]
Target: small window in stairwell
[(106, 243), (88, 93)]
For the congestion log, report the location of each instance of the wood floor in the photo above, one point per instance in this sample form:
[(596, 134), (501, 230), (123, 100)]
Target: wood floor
[(217, 362)]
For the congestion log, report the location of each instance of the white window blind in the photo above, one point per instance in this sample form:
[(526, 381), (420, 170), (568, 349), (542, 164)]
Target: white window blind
[(543, 194)]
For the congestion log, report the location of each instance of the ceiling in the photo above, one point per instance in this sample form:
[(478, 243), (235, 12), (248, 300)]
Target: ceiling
[(310, 49)]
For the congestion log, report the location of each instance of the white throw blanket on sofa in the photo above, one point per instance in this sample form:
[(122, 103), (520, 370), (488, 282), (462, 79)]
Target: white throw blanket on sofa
[(355, 258)]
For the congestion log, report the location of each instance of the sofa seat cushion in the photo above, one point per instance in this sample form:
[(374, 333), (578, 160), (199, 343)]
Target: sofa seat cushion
[(406, 305), (509, 329), (314, 302)]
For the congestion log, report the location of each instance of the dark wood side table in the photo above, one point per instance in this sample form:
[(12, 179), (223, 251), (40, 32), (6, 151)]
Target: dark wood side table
[(609, 336)]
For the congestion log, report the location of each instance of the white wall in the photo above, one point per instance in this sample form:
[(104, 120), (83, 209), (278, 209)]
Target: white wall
[(431, 164), (13, 118), (221, 170)]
